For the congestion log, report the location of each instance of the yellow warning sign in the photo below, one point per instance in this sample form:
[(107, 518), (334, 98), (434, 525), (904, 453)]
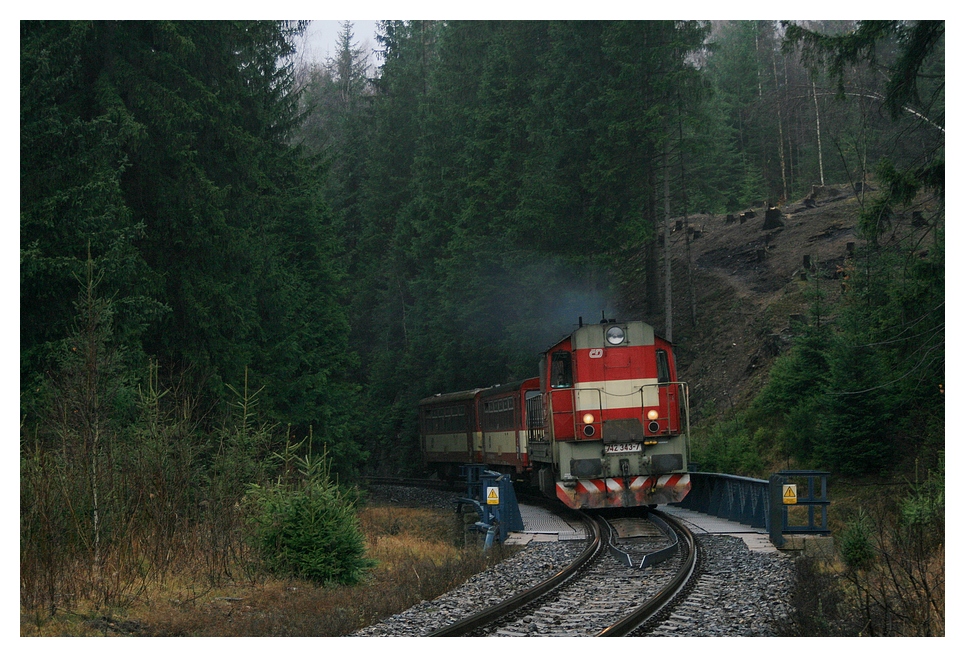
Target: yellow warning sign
[(790, 493), (492, 495)]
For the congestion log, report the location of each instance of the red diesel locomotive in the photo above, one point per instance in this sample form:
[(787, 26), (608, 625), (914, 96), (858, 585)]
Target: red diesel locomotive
[(605, 424)]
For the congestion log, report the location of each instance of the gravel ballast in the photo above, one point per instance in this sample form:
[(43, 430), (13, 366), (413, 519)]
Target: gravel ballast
[(740, 593)]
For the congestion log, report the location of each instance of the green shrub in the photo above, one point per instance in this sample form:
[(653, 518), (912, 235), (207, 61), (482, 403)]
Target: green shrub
[(857, 546), (304, 526), (925, 506)]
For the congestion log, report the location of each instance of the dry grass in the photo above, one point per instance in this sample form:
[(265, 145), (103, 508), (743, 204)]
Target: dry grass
[(421, 554)]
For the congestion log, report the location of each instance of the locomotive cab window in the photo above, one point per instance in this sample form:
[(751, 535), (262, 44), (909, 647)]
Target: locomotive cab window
[(663, 367), (562, 373)]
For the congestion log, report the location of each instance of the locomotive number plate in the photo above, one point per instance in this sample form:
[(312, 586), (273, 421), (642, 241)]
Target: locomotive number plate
[(622, 448)]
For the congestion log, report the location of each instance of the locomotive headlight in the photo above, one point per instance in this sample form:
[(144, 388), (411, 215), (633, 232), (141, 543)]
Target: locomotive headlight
[(588, 418), (615, 335), (652, 414)]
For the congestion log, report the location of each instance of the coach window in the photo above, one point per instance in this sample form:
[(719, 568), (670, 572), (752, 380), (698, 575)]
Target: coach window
[(663, 367), (562, 375)]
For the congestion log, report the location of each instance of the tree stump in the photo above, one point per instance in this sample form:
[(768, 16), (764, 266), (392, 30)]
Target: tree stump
[(772, 219)]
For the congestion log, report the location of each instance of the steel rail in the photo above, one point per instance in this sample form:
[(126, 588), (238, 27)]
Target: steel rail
[(490, 614), (653, 606)]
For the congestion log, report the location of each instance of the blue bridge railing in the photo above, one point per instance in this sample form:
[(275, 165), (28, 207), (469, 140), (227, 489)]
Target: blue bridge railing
[(740, 499), (762, 503)]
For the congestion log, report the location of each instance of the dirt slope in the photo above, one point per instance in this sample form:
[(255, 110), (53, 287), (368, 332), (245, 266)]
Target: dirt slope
[(748, 281)]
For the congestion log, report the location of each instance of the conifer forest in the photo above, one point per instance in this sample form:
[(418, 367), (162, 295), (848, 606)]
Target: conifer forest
[(236, 265)]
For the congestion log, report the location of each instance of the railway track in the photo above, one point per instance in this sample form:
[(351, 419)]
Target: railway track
[(740, 592), (683, 578), (435, 484), (597, 594)]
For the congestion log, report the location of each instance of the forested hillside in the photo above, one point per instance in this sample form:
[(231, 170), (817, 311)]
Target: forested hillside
[(494, 181), (223, 254)]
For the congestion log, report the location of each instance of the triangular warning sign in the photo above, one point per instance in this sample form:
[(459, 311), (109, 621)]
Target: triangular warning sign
[(492, 495), (790, 493)]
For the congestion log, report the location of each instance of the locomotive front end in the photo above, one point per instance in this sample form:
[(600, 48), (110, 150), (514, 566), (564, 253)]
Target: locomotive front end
[(616, 418)]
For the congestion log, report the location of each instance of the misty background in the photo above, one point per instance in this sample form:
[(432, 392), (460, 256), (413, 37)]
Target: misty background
[(320, 40)]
